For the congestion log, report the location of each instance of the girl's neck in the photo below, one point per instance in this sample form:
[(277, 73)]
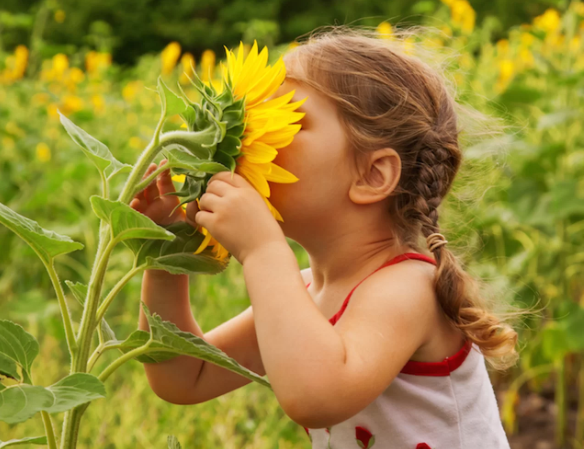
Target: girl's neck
[(347, 265)]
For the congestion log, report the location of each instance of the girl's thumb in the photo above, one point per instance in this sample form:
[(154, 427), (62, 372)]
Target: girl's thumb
[(192, 209)]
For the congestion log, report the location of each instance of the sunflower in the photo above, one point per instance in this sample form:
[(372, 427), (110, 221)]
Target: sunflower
[(250, 146)]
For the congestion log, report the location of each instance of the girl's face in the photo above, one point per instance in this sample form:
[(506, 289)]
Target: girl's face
[(318, 158)]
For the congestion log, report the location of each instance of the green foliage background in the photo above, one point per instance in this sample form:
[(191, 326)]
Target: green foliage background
[(515, 215)]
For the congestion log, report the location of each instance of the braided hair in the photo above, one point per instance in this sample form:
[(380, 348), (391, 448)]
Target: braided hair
[(387, 98)]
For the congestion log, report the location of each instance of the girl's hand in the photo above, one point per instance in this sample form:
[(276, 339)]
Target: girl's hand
[(151, 203), (237, 216)]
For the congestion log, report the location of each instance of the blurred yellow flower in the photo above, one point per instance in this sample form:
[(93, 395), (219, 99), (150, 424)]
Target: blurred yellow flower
[(95, 62), (179, 178), (137, 143), (187, 62), (76, 75), (549, 21), (384, 30), (526, 59), (71, 103), (207, 65), (131, 89), (527, 39), (184, 125), (15, 65), (98, 103), (170, 56), (21, 58), (575, 44), (60, 64), (462, 14), (59, 16), (506, 69), (503, 47), (52, 111), (43, 152)]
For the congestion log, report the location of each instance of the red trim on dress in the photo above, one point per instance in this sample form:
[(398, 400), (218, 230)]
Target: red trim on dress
[(438, 369), (405, 256), (443, 368)]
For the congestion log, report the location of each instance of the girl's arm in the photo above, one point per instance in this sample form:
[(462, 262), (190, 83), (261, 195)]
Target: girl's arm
[(188, 380), (323, 375), (168, 295)]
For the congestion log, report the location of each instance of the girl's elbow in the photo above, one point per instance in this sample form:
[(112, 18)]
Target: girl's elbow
[(310, 412)]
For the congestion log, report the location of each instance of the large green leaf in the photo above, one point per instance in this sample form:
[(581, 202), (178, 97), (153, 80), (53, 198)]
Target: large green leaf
[(74, 390), (177, 256), (79, 291), (99, 154), (20, 402), (47, 244), (127, 223), (18, 348), (172, 104), (185, 343), (26, 440)]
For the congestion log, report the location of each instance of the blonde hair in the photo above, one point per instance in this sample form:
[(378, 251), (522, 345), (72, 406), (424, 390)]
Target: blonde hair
[(388, 98)]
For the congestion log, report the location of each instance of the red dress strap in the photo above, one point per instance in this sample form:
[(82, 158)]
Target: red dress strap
[(397, 259)]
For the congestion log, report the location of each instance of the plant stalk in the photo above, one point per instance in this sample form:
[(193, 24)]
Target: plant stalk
[(580, 414), (52, 443), (112, 294), (69, 333), (88, 320), (123, 359), (560, 401)]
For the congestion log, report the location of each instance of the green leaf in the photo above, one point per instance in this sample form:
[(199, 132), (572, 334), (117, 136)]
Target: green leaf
[(26, 440), (20, 402), (178, 156), (555, 343), (79, 291), (47, 244), (8, 367), (177, 256), (127, 223), (173, 442), (172, 104), (97, 152), (18, 348), (565, 199), (185, 343), (74, 390)]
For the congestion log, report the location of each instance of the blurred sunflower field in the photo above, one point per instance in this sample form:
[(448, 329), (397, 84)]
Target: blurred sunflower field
[(515, 216)]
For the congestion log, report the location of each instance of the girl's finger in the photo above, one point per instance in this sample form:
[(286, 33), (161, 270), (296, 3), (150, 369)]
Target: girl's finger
[(141, 195), (164, 181), (151, 192), (136, 204)]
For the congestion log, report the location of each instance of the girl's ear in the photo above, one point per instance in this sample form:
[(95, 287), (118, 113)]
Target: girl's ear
[(379, 179)]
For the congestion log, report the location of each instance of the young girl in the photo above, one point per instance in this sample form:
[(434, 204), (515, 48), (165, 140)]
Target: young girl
[(382, 341)]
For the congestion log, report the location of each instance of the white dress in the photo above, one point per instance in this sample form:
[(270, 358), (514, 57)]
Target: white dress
[(429, 405)]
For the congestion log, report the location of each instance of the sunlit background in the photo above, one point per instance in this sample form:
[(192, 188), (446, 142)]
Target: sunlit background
[(515, 216)]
